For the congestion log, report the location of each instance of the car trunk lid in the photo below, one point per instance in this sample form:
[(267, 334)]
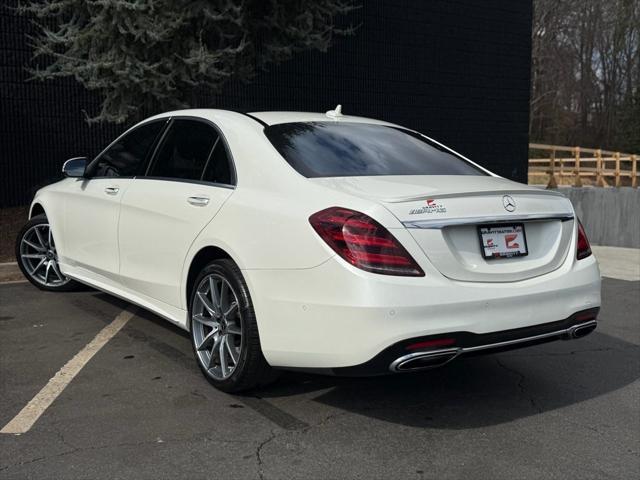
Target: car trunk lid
[(443, 214)]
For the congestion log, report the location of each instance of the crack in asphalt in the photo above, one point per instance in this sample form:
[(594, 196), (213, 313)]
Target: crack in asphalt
[(302, 431), (585, 426), (521, 386), (74, 449), (259, 452), (275, 434)]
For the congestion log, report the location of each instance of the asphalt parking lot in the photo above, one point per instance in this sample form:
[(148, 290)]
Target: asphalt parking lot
[(141, 409)]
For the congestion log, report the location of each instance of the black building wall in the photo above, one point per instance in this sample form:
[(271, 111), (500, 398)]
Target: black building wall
[(457, 70)]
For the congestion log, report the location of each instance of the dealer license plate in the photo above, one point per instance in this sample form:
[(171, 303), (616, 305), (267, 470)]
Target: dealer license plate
[(503, 241)]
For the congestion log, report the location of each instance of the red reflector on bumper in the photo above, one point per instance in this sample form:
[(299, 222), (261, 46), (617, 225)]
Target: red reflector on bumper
[(585, 316), (438, 342)]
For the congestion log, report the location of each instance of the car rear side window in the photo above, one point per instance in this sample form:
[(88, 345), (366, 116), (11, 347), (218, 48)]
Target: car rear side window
[(218, 170), (126, 157), (185, 150), (335, 149)]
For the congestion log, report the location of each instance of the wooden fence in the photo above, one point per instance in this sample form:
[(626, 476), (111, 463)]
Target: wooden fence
[(573, 165)]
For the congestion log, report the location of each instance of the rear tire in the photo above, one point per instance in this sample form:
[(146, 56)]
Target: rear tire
[(224, 331), (38, 259)]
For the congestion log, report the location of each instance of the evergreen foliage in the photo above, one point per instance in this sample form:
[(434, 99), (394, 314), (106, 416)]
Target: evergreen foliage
[(145, 56)]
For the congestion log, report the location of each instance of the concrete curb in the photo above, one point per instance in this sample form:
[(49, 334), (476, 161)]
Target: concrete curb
[(10, 273)]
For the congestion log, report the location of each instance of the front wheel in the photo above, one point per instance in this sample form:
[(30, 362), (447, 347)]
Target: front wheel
[(38, 258), (224, 332)]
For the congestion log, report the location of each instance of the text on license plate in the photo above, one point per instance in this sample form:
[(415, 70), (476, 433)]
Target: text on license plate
[(503, 241)]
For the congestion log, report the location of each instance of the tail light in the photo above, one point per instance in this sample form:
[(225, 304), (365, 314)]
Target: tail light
[(584, 249), (363, 242)]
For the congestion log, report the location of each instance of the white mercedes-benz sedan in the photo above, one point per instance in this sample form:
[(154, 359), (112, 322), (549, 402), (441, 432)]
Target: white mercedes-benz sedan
[(320, 242)]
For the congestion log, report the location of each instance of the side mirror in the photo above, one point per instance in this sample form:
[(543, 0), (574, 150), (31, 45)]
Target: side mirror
[(74, 167)]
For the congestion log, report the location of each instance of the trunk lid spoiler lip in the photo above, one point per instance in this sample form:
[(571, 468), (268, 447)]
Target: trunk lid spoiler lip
[(439, 223), (478, 193)]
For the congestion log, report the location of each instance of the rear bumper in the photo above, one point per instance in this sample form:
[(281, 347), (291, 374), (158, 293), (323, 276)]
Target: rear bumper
[(403, 357), (335, 316)]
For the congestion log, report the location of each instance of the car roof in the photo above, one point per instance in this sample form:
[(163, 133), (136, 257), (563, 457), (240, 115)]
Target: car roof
[(271, 118)]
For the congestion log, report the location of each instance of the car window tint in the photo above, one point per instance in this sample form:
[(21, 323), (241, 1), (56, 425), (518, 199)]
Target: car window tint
[(184, 151), (126, 157), (219, 167), (322, 149)]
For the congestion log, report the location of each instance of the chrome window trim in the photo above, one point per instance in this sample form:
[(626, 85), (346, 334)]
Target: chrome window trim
[(187, 180), (450, 222)]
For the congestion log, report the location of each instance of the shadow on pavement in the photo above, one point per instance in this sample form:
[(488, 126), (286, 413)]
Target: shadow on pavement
[(469, 392), (480, 391)]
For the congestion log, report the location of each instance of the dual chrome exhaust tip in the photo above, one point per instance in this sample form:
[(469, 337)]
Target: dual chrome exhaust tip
[(436, 358), (582, 330), (424, 360)]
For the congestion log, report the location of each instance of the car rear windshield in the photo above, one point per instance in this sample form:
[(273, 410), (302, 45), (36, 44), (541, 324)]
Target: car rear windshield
[(334, 149)]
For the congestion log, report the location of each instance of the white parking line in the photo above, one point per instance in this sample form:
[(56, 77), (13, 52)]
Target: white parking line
[(22, 422)]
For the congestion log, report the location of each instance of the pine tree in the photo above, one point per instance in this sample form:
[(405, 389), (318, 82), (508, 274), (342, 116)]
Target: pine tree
[(150, 55)]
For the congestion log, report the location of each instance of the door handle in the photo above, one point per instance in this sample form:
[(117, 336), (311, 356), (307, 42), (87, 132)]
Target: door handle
[(111, 190), (198, 201)]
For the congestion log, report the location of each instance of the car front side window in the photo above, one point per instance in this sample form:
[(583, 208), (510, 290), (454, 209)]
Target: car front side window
[(126, 157)]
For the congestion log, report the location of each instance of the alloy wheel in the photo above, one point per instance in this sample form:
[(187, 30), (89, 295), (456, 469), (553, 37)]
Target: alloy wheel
[(216, 325), (39, 257)]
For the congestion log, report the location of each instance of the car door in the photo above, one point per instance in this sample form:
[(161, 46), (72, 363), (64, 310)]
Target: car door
[(188, 181), (92, 204)]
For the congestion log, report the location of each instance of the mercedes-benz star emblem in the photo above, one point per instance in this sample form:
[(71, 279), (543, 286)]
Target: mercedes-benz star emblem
[(509, 203)]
